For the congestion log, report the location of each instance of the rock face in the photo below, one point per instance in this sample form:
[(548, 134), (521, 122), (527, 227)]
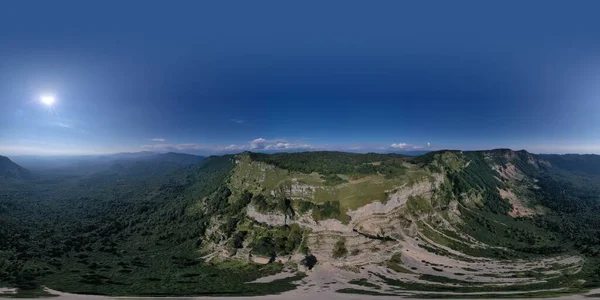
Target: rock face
[(414, 234), (396, 199), (300, 190), (304, 220), (362, 215), (369, 225), (271, 219), (519, 209)]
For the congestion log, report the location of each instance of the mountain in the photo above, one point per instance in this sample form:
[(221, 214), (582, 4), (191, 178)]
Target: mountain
[(9, 169), (145, 162), (482, 223), (128, 155), (54, 163), (174, 158), (587, 163), (153, 164)]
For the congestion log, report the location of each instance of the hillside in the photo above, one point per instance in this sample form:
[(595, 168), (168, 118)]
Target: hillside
[(9, 169), (481, 222)]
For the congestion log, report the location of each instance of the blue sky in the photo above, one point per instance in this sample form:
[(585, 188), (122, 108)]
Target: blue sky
[(189, 76)]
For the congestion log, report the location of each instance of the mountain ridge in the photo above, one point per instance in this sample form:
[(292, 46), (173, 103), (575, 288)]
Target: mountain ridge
[(469, 221), (11, 170)]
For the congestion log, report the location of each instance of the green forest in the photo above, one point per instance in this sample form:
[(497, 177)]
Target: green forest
[(122, 235), (136, 232)]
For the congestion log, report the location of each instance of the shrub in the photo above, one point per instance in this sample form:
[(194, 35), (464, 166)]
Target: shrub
[(339, 250), (309, 261)]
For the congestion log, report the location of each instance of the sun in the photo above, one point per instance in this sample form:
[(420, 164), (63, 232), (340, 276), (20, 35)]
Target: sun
[(47, 99)]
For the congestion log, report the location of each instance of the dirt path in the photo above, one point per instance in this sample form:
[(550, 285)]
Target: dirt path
[(7, 291), (272, 278)]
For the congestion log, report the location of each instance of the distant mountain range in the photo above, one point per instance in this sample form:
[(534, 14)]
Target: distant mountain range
[(174, 158), (119, 162), (586, 163)]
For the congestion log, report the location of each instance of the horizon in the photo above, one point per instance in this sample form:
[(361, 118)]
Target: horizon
[(414, 153), (183, 79)]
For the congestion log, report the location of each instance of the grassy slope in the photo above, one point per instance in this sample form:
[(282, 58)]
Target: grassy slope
[(355, 191)]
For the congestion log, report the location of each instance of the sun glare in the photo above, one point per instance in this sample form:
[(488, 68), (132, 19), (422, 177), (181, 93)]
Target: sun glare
[(47, 99)]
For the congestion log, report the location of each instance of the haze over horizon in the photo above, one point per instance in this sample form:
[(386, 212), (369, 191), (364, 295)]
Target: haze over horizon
[(276, 76)]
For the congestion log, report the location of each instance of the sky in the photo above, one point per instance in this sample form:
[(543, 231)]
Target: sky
[(229, 76)]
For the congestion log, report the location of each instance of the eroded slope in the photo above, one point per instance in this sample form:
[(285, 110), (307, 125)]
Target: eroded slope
[(449, 222)]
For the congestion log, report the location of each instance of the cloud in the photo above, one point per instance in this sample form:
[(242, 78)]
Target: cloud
[(405, 146), (399, 145), (60, 124), (259, 144), (234, 147), (287, 146), (238, 121), (177, 147), (157, 140), (276, 144), (29, 148)]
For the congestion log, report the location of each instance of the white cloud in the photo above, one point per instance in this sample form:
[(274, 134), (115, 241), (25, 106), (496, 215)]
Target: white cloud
[(254, 145), (60, 124), (286, 146), (52, 149), (157, 140), (176, 147), (428, 145), (258, 143), (405, 146), (276, 144), (399, 145), (238, 121), (234, 147)]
